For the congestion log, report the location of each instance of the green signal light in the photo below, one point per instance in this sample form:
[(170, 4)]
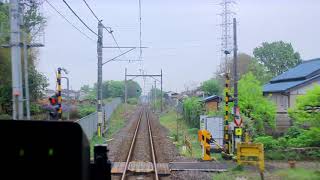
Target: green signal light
[(50, 152), (21, 152)]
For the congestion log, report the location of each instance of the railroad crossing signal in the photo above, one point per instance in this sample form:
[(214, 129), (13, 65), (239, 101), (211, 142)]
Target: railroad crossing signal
[(55, 107)]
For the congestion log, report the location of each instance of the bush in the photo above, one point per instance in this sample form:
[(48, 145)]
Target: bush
[(315, 154), (268, 142), (5, 117), (293, 132), (35, 108), (132, 101), (192, 108), (275, 155), (193, 131), (308, 138), (85, 110), (74, 114)]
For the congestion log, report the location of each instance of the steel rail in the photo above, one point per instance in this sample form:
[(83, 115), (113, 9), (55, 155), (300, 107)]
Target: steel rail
[(152, 148), (131, 146)]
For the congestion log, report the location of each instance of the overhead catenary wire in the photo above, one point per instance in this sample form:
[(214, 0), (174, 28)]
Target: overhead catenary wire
[(94, 14), (108, 29), (140, 32), (80, 18), (75, 27)]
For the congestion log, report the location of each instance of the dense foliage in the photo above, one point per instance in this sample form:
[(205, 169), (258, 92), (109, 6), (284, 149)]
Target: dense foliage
[(112, 89), (211, 87), (307, 108), (192, 108), (259, 71), (252, 103), (277, 56), (34, 21), (302, 141)]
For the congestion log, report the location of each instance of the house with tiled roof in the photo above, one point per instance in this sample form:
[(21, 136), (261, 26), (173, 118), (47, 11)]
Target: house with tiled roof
[(285, 88)]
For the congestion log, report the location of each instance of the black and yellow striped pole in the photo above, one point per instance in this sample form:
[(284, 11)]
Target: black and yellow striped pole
[(59, 94), (226, 138)]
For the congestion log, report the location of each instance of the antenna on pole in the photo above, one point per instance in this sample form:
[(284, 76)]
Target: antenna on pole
[(226, 26)]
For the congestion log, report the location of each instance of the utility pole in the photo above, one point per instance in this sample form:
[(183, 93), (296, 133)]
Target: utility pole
[(155, 95), (99, 81), (26, 74), (235, 61), (161, 96), (17, 93), (68, 96), (125, 90), (152, 97), (237, 119)]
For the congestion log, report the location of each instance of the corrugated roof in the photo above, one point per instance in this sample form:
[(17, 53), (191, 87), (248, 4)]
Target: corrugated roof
[(211, 98), (300, 72), (284, 86), (279, 87)]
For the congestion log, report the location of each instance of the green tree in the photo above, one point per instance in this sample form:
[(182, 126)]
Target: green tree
[(244, 61), (113, 89), (211, 87), (116, 88), (5, 82), (277, 56), (254, 105), (192, 108), (38, 82), (157, 92), (134, 89), (85, 88), (307, 108), (259, 71)]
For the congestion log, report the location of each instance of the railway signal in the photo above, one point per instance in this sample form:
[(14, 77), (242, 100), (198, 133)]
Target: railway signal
[(55, 107)]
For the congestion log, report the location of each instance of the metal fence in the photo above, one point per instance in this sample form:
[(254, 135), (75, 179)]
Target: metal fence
[(89, 123)]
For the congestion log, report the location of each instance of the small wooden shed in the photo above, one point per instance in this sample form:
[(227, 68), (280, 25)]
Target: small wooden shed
[(212, 103)]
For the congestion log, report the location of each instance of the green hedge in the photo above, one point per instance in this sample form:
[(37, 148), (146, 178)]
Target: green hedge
[(298, 144), (85, 110)]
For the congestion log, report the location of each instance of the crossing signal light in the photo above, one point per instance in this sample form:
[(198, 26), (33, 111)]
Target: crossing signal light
[(53, 100), (55, 107)]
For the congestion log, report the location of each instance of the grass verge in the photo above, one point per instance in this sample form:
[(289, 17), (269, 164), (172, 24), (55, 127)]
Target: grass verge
[(117, 121), (178, 130), (283, 174)]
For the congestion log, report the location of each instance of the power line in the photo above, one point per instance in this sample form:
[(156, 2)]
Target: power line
[(79, 18), (114, 39), (108, 29), (91, 10), (140, 27), (68, 21)]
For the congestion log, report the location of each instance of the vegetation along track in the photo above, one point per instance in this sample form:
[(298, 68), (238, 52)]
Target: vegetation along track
[(142, 148)]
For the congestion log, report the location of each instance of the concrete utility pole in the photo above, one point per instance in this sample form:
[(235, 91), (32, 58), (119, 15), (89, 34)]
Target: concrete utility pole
[(237, 119), (235, 65), (99, 81), (125, 88), (17, 93), (161, 96), (68, 96), (26, 74), (155, 95)]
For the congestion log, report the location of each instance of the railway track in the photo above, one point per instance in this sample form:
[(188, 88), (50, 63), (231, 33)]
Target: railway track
[(142, 148)]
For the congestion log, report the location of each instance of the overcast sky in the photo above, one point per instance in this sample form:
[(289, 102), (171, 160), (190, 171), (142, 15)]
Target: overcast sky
[(182, 36)]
